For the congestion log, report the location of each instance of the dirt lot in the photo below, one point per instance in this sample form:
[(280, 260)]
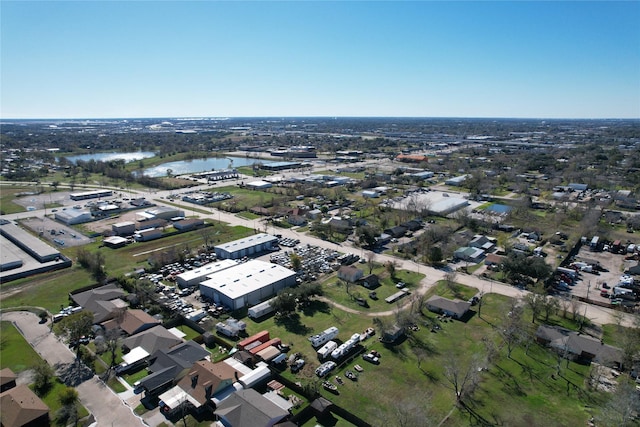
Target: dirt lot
[(614, 263), (105, 224)]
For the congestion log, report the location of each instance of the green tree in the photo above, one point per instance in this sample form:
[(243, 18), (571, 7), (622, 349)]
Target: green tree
[(367, 236), (43, 376), (284, 304), (68, 413), (296, 261), (391, 268), (74, 327)]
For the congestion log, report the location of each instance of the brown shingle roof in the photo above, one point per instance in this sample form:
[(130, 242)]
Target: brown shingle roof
[(205, 374), (137, 320), (20, 406)]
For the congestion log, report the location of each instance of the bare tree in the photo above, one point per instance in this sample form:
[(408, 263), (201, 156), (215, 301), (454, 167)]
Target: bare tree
[(371, 259), (450, 279), (535, 303), (621, 408), (550, 305), (461, 375), (513, 328)]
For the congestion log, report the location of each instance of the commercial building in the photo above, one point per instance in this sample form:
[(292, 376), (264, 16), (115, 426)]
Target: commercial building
[(247, 283), (91, 194), (160, 212), (73, 216), (125, 228), (193, 277), (29, 243), (146, 235), (188, 224), (456, 181), (248, 246), (114, 242), (259, 185)]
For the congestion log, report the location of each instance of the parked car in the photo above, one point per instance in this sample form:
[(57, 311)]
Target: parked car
[(371, 358)]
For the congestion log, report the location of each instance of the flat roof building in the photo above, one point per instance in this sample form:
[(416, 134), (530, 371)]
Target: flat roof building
[(247, 284), (248, 246), (91, 194), (28, 243), (193, 277)]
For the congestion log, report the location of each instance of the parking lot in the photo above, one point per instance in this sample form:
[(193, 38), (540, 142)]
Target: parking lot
[(591, 283), (56, 233)]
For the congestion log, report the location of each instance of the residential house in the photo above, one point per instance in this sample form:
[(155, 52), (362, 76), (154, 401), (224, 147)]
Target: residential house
[(296, 220), (370, 281), (20, 407), (469, 254), (482, 242), (413, 225), (493, 259), (454, 308), (350, 273), (103, 301), (166, 366), (339, 225), (205, 381), (248, 408), (578, 347), (7, 379), (396, 232), (314, 214), (132, 322), (138, 347)]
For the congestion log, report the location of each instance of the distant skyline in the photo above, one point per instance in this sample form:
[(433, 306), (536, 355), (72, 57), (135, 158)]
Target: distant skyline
[(302, 59)]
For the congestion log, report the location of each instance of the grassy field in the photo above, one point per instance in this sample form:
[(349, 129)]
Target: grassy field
[(48, 290), (15, 353), (511, 391), (336, 289), (245, 199), (7, 195)]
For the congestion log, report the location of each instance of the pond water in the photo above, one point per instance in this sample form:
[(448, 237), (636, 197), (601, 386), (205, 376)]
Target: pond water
[(498, 208), (201, 165), (105, 157)]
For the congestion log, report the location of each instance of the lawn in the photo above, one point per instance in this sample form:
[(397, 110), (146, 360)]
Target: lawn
[(245, 199), (51, 400), (49, 290), (511, 391), (190, 333), (336, 289), (135, 376), (8, 194), (15, 351)]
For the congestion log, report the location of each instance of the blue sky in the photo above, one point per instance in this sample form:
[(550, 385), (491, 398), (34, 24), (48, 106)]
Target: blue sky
[(358, 58)]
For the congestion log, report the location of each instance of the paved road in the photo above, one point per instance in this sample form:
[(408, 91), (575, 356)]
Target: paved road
[(100, 400), (596, 314)]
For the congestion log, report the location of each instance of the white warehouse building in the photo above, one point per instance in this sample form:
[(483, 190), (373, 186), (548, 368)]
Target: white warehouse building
[(192, 278), (248, 246), (247, 283)]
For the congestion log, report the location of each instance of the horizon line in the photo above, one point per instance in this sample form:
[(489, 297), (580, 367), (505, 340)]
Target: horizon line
[(282, 117)]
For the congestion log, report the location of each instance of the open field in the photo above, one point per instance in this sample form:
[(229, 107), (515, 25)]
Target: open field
[(411, 373)]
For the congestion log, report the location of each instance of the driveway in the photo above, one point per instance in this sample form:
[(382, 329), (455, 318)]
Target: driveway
[(100, 400)]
